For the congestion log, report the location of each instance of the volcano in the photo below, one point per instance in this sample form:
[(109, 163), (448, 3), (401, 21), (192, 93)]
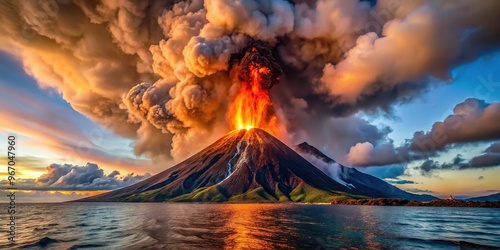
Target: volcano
[(243, 166)]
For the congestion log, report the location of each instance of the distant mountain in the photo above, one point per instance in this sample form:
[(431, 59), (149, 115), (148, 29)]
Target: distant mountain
[(491, 197), (243, 166), (358, 182)]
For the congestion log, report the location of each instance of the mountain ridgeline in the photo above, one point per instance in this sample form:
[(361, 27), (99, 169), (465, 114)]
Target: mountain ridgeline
[(252, 166), (361, 183), (491, 197)]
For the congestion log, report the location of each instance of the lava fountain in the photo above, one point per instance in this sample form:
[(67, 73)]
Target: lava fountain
[(251, 103), (256, 73)]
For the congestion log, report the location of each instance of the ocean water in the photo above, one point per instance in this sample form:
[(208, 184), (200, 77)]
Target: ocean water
[(251, 226)]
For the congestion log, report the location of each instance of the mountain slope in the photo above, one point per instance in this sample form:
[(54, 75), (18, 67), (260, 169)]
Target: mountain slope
[(245, 165), (491, 197), (359, 182)]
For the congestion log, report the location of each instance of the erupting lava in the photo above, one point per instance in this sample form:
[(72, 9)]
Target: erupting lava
[(252, 103), (257, 71)]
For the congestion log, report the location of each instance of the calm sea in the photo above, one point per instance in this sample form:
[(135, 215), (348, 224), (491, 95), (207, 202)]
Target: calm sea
[(251, 226)]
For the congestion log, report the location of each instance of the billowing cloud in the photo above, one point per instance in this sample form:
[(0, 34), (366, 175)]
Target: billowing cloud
[(429, 166), (332, 135), (263, 20), (386, 172), (88, 177), (489, 158), (365, 154), (472, 121), (484, 160), (380, 62), (50, 124), (159, 72), (72, 47)]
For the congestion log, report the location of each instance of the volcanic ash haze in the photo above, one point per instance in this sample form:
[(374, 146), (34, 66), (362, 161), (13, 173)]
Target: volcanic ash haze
[(245, 165)]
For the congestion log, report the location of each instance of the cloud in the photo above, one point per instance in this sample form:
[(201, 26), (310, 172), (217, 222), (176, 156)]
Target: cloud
[(418, 190), (484, 160), (381, 62), (79, 56), (50, 124), (385, 172), (401, 181), (472, 121), (493, 148), (365, 154), (42, 196), (263, 21), (490, 158), (333, 135), (429, 166), (88, 177)]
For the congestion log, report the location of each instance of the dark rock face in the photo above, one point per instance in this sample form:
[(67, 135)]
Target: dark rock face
[(245, 165), (365, 184)]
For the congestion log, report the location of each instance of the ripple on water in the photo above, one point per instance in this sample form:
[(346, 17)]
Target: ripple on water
[(43, 242), (84, 246), (218, 226)]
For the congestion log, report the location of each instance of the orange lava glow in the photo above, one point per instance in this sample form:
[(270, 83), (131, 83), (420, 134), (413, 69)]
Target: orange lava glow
[(251, 105)]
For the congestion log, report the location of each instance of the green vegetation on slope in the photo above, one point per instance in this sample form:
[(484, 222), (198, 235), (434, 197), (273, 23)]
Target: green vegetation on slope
[(206, 194), (302, 193), (309, 194)]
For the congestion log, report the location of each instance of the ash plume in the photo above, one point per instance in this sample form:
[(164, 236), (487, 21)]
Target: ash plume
[(159, 72), (258, 54)]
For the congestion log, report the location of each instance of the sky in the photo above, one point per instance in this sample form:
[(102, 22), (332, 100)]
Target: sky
[(103, 95)]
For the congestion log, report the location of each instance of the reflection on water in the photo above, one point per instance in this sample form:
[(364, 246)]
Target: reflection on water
[(252, 226), (368, 221)]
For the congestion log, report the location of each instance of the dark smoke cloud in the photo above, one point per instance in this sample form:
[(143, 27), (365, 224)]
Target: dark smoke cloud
[(158, 72), (258, 55)]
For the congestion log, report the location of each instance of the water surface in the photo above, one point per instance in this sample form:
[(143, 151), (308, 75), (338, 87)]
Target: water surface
[(252, 226)]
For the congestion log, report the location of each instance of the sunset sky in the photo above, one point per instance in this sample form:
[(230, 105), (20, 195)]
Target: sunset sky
[(103, 95)]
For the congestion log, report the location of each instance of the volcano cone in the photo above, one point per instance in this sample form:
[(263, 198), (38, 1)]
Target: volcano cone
[(243, 166)]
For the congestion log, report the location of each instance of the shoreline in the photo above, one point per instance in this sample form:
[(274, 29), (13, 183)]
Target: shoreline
[(412, 203)]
